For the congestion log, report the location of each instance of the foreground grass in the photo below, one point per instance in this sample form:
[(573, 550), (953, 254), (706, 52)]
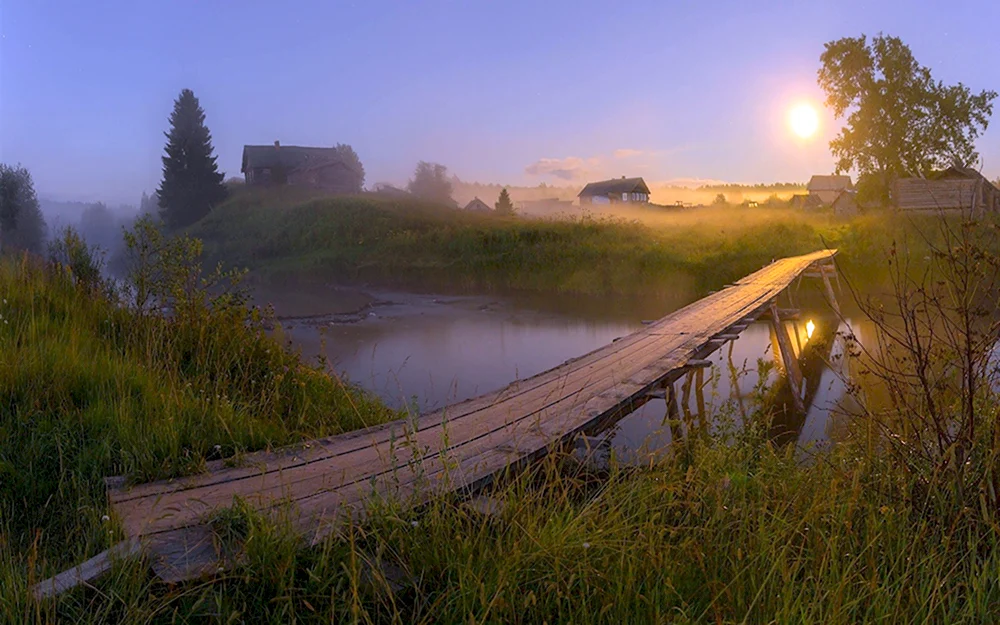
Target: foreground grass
[(90, 389), (743, 533), (284, 234)]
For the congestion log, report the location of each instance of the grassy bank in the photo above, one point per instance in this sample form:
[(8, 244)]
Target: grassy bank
[(90, 389), (284, 234)]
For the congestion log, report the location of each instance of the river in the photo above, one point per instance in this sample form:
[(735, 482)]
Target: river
[(422, 352)]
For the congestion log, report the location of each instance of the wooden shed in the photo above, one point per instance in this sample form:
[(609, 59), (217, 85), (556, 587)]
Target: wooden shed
[(955, 188)]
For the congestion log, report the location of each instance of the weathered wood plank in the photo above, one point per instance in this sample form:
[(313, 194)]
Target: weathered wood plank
[(87, 571)]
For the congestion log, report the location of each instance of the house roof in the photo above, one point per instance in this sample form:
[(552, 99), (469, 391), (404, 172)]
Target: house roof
[(287, 156), (478, 205), (957, 172), (829, 183), (615, 186)]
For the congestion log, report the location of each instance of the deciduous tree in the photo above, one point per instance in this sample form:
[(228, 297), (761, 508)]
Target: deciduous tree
[(899, 120), (430, 182), (354, 164), (21, 223), (192, 184)]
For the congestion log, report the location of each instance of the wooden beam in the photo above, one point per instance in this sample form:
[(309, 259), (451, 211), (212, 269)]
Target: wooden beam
[(697, 363), (727, 337), (86, 572), (792, 370)]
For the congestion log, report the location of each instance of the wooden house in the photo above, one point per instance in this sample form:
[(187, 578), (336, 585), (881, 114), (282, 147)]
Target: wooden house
[(955, 188), (806, 201), (846, 204), (615, 191), (828, 188), (478, 206), (317, 168)]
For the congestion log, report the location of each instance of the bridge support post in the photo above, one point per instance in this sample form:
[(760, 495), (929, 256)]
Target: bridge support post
[(791, 365)]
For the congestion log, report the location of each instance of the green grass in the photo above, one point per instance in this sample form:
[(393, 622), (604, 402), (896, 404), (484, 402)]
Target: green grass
[(89, 389), (283, 234)]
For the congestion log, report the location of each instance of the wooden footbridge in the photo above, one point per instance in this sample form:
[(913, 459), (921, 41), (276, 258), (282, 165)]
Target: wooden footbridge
[(319, 484)]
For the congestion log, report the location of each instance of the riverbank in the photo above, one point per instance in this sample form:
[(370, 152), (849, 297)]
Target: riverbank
[(284, 235)]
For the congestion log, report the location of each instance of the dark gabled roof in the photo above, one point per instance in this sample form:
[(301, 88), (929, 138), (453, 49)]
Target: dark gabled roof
[(288, 157), (957, 172), (829, 183), (478, 205), (615, 186)]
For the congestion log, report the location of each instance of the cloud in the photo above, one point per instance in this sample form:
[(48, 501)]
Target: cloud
[(571, 168), (628, 153)]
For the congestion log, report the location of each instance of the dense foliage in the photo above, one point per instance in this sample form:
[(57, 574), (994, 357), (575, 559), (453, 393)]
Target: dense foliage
[(899, 120), (22, 226)]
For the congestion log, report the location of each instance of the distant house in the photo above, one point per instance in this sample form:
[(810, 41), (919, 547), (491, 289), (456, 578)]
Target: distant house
[(846, 203), (828, 188), (955, 188), (615, 191), (318, 168), (805, 201), (478, 206)]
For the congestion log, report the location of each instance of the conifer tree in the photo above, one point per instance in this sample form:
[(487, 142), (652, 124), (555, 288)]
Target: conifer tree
[(503, 205), (192, 184)]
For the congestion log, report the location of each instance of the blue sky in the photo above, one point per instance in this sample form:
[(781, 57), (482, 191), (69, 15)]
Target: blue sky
[(504, 91)]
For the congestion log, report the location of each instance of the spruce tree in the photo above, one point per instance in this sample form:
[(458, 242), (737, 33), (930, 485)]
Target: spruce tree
[(503, 205), (191, 184)]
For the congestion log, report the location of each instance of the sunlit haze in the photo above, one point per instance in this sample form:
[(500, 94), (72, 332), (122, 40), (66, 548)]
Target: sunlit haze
[(804, 120), (514, 92)]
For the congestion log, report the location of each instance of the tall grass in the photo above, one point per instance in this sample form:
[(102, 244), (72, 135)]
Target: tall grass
[(90, 388), (280, 234)]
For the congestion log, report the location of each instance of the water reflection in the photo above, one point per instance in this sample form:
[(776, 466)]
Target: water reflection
[(424, 353)]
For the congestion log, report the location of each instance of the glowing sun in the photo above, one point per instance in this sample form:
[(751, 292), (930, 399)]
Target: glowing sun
[(804, 120)]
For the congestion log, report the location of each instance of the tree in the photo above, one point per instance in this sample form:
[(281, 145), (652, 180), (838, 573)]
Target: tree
[(430, 182), (504, 206), (98, 226), (192, 184), (899, 120), (149, 204), (719, 199), (21, 223), (351, 159)]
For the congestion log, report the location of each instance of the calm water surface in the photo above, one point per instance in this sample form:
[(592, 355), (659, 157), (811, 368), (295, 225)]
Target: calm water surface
[(424, 352)]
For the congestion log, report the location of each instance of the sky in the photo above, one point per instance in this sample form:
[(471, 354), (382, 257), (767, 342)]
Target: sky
[(514, 92)]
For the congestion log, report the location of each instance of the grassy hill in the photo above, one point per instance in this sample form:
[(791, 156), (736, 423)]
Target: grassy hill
[(284, 234)]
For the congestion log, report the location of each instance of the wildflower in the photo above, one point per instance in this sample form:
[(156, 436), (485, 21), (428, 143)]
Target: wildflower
[(586, 545), (105, 518), (218, 448), (414, 523)]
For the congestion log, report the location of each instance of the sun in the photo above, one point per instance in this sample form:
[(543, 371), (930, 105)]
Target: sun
[(804, 120)]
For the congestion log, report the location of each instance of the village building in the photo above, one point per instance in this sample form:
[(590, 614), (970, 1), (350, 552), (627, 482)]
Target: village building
[(317, 168), (846, 204), (478, 206), (615, 191), (828, 188), (806, 201), (955, 188)]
